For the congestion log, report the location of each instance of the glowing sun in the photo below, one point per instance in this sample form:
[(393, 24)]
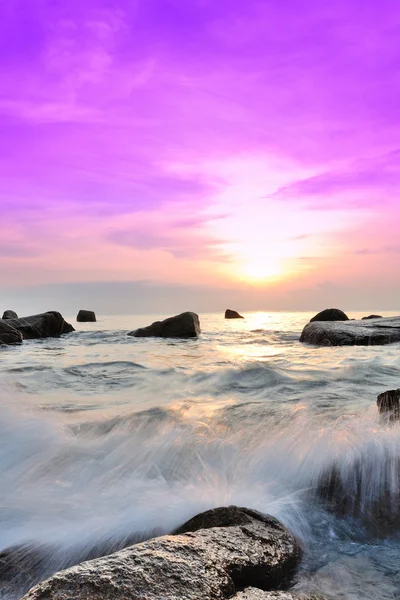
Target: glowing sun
[(260, 268)]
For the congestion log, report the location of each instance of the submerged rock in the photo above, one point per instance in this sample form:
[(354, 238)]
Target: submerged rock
[(232, 314), (86, 316), (9, 335), (330, 314), (372, 317), (185, 325), (48, 324), (10, 314), (352, 333), (389, 404), (211, 564)]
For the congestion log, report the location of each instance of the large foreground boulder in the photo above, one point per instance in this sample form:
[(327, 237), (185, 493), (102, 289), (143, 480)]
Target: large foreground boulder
[(232, 314), (86, 316), (206, 564), (48, 324), (330, 314), (352, 333), (9, 335), (10, 314), (185, 325)]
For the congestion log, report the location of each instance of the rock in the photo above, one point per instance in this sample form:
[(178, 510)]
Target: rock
[(48, 324), (251, 593), (352, 333), (185, 325), (224, 516), (9, 335), (207, 564), (389, 404), (372, 317), (232, 314), (86, 316), (330, 314), (25, 565), (365, 487), (10, 314)]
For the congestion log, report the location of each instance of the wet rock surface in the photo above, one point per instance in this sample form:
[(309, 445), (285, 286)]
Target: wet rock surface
[(48, 324), (86, 316), (211, 564), (9, 335), (330, 314), (366, 490), (25, 565), (352, 333), (10, 314), (256, 594), (389, 404), (232, 314), (185, 325)]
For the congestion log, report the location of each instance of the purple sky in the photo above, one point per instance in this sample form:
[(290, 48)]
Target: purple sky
[(251, 148)]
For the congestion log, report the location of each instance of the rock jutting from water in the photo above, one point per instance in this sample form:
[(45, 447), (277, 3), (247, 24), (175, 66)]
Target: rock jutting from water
[(86, 316), (389, 404), (10, 314), (352, 333), (44, 325), (9, 335), (365, 487), (247, 549), (232, 314), (372, 317), (185, 325), (330, 314)]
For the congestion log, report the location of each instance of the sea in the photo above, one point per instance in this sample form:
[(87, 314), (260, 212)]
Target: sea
[(107, 440)]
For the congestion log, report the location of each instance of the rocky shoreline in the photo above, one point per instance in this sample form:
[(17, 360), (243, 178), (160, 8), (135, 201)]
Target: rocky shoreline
[(228, 552), (330, 327)]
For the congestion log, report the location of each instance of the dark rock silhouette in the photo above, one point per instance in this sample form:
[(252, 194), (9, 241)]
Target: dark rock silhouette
[(352, 333), (48, 324), (232, 314), (372, 317), (185, 325), (10, 314), (330, 314), (389, 404), (9, 335), (211, 564), (86, 316)]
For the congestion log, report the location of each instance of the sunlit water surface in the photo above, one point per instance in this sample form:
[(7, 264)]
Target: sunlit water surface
[(104, 437)]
